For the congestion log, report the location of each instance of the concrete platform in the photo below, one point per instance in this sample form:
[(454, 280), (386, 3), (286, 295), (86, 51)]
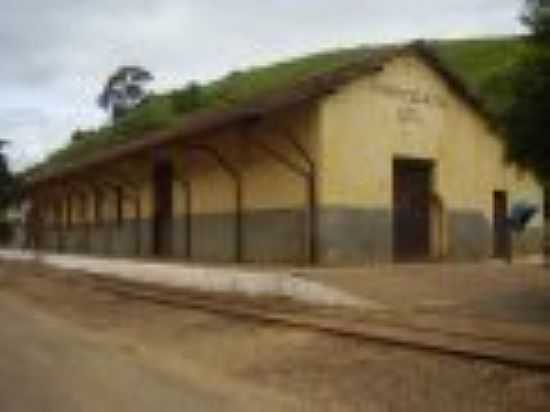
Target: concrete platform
[(251, 282)]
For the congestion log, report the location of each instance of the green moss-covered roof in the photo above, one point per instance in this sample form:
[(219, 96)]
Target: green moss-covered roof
[(163, 111), (483, 65)]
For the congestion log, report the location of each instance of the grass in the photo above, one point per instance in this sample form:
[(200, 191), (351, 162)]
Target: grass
[(485, 66), (160, 112)]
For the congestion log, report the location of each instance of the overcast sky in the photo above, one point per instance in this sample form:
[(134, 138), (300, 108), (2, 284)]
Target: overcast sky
[(56, 54)]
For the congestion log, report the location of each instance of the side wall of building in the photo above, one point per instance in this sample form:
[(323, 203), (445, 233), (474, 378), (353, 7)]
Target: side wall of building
[(408, 111), (273, 195), (264, 159), (352, 138)]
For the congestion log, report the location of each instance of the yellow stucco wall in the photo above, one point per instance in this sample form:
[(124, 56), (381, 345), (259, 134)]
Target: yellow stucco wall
[(408, 110), (266, 183)]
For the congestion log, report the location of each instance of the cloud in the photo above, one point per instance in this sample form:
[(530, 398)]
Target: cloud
[(57, 53)]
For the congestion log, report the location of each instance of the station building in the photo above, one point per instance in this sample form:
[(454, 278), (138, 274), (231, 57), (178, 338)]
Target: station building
[(388, 158)]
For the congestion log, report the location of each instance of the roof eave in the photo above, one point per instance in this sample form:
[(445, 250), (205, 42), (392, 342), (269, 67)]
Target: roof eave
[(208, 121)]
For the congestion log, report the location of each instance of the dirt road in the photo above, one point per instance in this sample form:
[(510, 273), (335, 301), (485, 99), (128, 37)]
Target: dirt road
[(67, 346), (46, 366)]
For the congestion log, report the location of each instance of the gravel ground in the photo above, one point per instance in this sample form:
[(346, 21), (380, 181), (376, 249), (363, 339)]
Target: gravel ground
[(492, 290), (304, 370)]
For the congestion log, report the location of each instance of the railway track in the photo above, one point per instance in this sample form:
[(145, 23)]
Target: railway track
[(532, 355)]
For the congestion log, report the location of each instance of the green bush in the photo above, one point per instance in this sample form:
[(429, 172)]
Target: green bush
[(188, 99)]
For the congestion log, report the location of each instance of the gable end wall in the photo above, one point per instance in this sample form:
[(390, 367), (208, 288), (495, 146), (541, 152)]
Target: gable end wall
[(408, 110)]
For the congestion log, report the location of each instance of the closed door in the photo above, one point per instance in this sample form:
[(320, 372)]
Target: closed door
[(501, 236), (411, 209), (163, 209)]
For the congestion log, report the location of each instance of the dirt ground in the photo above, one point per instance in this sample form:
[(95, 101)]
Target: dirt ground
[(276, 367), (492, 290)]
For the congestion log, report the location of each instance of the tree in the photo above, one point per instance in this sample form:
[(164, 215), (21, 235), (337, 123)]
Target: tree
[(8, 194), (10, 188), (537, 17), (7, 180), (124, 90), (526, 118)]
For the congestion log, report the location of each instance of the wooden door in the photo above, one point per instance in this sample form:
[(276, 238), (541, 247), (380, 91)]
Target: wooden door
[(411, 209), (501, 233), (163, 208)]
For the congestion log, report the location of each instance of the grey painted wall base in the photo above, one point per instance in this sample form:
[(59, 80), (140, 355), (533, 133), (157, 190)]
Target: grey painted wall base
[(470, 236), (213, 238), (132, 238), (355, 236), (275, 236), (347, 236), (351, 236), (267, 236), (179, 238)]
